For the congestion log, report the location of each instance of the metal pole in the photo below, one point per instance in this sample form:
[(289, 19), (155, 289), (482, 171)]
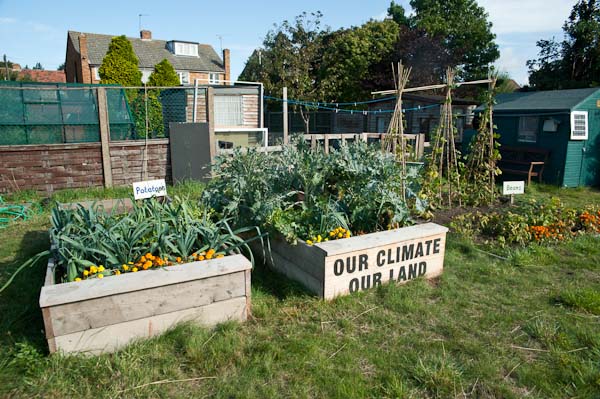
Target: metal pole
[(195, 110), (7, 76), (262, 105), (285, 117)]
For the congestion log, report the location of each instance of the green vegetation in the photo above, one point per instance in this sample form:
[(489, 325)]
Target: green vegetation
[(303, 193), (574, 62), (487, 328), (120, 64), (163, 75)]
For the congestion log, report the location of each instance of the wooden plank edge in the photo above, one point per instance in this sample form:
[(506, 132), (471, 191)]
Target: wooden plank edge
[(86, 342), (381, 238), (59, 294)]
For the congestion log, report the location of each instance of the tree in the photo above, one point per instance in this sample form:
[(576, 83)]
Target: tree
[(163, 75), (349, 55), (291, 57), (575, 62), (464, 29), (38, 66), (398, 14), (12, 75), (61, 67), (120, 64)]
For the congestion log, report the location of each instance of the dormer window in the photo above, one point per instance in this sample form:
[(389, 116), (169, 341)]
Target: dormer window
[(184, 48)]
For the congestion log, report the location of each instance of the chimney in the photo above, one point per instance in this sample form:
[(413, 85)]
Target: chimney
[(227, 65), (86, 73), (145, 35)]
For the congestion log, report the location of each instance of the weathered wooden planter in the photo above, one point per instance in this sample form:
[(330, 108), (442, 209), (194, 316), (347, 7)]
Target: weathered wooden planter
[(339, 267), (102, 315)]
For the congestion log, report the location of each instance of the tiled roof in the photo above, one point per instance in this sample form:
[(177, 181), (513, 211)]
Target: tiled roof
[(151, 52), (43, 76)]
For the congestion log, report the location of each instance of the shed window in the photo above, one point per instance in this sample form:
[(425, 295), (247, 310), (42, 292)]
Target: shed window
[(229, 111), (579, 125), (528, 129)]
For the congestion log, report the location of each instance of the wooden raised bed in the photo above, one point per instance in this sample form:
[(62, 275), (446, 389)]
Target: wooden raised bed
[(339, 267), (102, 315)]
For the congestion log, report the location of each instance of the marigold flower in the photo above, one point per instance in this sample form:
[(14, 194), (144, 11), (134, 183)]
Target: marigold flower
[(117, 272), (309, 242), (93, 269), (220, 256), (77, 279), (135, 269), (200, 257), (86, 273), (209, 255), (125, 267), (100, 276), (100, 268), (130, 263), (178, 259)]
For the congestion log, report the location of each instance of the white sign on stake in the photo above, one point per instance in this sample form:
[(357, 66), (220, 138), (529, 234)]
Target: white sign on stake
[(149, 188), (513, 187)]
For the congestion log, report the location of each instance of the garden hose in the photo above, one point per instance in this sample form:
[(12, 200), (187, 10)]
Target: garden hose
[(10, 213)]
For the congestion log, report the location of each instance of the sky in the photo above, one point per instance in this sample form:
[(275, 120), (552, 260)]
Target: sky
[(36, 31)]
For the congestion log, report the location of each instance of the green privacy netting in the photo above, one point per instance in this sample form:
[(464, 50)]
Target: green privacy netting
[(51, 113)]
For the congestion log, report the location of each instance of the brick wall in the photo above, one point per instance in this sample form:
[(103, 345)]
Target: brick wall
[(52, 167)]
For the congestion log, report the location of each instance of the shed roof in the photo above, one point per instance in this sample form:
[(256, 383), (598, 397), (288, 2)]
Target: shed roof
[(552, 100), (151, 52)]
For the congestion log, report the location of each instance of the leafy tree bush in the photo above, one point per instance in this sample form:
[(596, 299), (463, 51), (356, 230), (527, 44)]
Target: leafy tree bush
[(120, 65), (163, 75)]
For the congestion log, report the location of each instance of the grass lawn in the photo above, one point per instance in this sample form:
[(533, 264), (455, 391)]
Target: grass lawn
[(528, 326)]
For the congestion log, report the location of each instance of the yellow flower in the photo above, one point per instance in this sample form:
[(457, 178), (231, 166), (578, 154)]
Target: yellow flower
[(93, 269), (319, 239), (77, 279), (125, 267), (100, 269), (220, 255), (200, 257), (117, 272), (130, 263), (209, 255), (211, 251), (86, 273), (309, 242), (100, 276), (135, 269)]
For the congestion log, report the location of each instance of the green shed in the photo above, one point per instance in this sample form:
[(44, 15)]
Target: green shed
[(564, 122)]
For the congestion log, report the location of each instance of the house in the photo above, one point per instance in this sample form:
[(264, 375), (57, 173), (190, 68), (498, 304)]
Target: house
[(192, 61), (566, 123), (40, 75), (422, 114)]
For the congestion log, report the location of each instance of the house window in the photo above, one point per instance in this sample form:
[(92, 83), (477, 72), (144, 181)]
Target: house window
[(528, 129), (189, 49), (229, 110), (96, 73), (579, 125), (184, 77), (213, 78)]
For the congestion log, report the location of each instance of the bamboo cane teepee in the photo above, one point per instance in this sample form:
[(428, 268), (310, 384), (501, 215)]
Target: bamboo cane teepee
[(394, 141)]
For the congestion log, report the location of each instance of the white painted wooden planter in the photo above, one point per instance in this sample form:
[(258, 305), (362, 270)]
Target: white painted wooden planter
[(102, 315), (339, 267)]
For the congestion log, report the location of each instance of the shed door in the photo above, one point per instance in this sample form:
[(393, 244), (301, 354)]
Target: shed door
[(574, 163)]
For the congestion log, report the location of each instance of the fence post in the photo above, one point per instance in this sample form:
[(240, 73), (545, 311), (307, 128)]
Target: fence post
[(285, 117), (210, 118), (195, 109), (104, 137)]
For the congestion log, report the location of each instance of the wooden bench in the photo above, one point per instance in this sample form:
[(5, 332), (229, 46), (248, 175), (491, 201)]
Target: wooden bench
[(523, 161)]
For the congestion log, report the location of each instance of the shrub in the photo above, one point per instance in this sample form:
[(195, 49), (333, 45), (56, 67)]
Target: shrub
[(120, 64)]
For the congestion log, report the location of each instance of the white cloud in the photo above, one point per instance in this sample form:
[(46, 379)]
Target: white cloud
[(513, 61), (520, 16), (7, 20)]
